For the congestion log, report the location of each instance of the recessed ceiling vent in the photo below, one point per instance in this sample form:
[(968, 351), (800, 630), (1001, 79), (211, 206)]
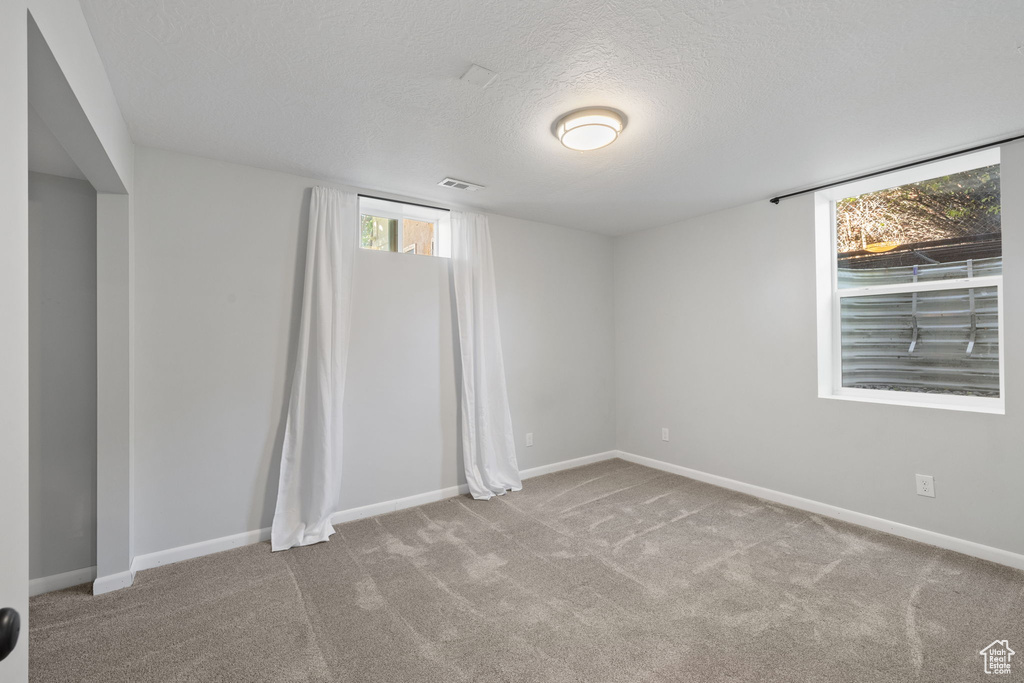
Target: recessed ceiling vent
[(479, 76), (460, 185)]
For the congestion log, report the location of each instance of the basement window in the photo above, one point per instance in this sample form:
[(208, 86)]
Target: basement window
[(910, 281), (403, 228)]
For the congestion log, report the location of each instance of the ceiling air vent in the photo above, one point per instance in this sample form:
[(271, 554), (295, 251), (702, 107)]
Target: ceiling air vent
[(478, 75), (460, 185)]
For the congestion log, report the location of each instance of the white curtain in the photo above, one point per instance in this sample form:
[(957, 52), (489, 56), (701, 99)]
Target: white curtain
[(488, 448), (310, 480)]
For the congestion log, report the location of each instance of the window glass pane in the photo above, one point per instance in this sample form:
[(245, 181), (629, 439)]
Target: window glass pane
[(378, 233), (418, 237), (937, 229), (387, 225), (879, 330)]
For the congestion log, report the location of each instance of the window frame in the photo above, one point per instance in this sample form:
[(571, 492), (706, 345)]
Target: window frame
[(830, 295), (400, 211)]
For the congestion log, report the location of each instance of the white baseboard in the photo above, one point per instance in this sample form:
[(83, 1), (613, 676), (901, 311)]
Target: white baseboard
[(387, 506), (113, 582), (47, 584), (462, 489), (569, 464), (187, 552), (985, 552), (216, 545)]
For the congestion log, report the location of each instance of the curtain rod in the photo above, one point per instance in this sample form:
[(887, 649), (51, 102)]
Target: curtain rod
[(399, 201), (775, 200)]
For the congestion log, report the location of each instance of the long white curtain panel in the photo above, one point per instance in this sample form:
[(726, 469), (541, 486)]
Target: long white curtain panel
[(311, 458), (489, 451)]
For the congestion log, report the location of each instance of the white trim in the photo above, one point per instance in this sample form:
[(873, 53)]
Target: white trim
[(216, 545), (187, 552), (56, 582), (113, 582), (830, 295), (985, 552), (568, 464), (825, 281), (441, 494), (375, 509), (969, 404)]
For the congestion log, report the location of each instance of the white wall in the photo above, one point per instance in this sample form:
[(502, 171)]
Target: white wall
[(555, 297), (63, 26), (716, 339), (62, 375), (219, 255), (14, 317), (68, 88)]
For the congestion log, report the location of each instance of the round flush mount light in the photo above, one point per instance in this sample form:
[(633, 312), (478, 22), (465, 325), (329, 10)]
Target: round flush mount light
[(591, 128)]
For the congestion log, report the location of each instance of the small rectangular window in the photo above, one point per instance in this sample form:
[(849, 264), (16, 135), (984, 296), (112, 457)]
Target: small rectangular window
[(910, 286), (403, 228)]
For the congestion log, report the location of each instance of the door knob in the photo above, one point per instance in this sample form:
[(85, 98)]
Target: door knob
[(10, 627)]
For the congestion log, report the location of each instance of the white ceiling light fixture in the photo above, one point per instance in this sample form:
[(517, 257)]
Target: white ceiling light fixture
[(590, 128)]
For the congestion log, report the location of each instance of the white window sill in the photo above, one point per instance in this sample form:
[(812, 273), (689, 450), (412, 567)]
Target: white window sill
[(970, 404)]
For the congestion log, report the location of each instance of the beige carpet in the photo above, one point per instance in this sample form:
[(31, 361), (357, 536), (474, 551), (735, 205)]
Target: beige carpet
[(610, 572)]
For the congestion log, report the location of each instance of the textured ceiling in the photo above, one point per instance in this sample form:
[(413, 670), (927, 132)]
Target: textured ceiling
[(728, 101)]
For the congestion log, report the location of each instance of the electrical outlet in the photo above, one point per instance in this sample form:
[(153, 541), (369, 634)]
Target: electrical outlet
[(529, 438), (664, 433), (925, 485)]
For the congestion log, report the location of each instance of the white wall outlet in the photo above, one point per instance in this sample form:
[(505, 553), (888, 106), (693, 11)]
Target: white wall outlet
[(664, 433), (529, 438), (925, 485)]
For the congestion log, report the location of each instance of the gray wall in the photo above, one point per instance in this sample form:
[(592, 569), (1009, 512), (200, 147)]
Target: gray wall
[(14, 399), (555, 299), (218, 258), (62, 375), (716, 339)]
